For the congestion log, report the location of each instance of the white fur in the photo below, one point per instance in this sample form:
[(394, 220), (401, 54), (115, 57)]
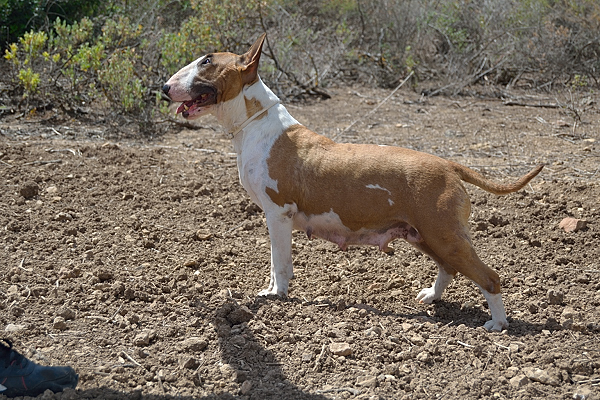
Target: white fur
[(498, 322), (371, 186), (433, 293), (252, 145)]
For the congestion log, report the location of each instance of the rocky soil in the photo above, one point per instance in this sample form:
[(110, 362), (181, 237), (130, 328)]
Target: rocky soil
[(138, 261)]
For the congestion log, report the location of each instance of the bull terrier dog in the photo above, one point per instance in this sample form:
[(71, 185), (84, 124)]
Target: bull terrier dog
[(345, 193)]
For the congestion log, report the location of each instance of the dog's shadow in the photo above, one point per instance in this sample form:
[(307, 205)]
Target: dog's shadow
[(254, 364), (453, 314), (448, 313), (243, 359), (249, 361)]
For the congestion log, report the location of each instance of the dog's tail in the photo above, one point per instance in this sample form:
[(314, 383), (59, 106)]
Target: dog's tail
[(475, 178)]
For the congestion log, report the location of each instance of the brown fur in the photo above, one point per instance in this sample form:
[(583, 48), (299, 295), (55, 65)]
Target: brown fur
[(319, 175), (253, 106)]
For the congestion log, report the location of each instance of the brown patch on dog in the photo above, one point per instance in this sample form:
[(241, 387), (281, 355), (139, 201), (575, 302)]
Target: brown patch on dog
[(319, 176), (253, 106), (374, 187), (223, 72)]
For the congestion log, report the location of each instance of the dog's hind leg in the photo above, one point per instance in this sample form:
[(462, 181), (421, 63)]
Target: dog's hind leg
[(445, 276), (280, 223), (461, 257)]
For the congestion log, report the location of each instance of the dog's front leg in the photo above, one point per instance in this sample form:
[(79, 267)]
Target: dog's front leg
[(280, 225)]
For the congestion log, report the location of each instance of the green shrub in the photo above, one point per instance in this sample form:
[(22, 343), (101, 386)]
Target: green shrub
[(120, 60), (20, 16)]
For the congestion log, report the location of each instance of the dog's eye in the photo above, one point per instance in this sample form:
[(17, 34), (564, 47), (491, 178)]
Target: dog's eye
[(206, 61)]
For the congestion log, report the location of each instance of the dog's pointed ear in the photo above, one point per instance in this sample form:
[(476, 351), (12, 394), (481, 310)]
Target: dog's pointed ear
[(250, 61)]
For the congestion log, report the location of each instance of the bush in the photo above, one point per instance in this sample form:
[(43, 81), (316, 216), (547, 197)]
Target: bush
[(120, 60), (20, 16)]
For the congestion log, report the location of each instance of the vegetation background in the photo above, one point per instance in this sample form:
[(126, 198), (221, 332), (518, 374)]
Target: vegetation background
[(111, 57)]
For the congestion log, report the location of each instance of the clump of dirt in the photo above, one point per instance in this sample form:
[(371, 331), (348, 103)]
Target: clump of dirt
[(138, 263)]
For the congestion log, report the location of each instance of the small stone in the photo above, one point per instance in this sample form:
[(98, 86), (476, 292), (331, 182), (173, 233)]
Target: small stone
[(29, 189), (47, 395), (142, 339), (391, 369), (373, 331), (539, 375), (227, 370), (555, 297), (14, 328), (238, 341), (519, 381), (202, 234), (240, 376), (583, 393), (70, 272), (190, 263), (133, 318), (407, 327), (533, 308), (246, 387), (340, 349), (88, 255), (194, 344), (367, 381), (188, 362), (59, 323), (418, 340), (66, 313), (572, 224), (63, 217), (511, 372), (103, 275), (307, 357), (568, 313), (239, 315), (424, 356)]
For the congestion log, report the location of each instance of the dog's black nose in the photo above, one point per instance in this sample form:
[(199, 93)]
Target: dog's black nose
[(166, 89)]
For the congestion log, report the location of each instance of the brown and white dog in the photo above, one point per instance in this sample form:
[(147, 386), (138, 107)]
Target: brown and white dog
[(345, 193)]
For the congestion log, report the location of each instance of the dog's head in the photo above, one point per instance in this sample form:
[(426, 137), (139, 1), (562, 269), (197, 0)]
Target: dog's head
[(213, 79)]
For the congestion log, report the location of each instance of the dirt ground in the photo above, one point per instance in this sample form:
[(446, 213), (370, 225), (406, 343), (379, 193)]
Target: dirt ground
[(138, 261)]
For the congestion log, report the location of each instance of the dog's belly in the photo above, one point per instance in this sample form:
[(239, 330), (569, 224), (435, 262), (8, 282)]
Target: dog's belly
[(328, 226)]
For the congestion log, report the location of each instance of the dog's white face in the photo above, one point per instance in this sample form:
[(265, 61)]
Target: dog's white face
[(212, 79)]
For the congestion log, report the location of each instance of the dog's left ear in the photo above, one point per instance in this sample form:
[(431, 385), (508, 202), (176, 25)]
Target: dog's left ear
[(250, 61)]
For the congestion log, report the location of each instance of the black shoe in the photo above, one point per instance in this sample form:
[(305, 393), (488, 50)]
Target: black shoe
[(22, 377)]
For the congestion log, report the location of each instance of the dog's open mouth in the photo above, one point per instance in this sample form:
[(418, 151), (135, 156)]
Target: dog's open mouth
[(192, 107)]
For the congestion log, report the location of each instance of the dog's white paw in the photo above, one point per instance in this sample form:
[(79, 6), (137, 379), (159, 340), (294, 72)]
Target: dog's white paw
[(272, 292), (427, 295), (496, 326)]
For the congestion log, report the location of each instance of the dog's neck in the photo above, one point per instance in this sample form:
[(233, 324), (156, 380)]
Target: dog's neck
[(254, 115), (249, 105)]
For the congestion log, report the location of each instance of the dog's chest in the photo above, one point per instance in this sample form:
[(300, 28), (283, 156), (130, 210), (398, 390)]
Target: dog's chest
[(252, 156)]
